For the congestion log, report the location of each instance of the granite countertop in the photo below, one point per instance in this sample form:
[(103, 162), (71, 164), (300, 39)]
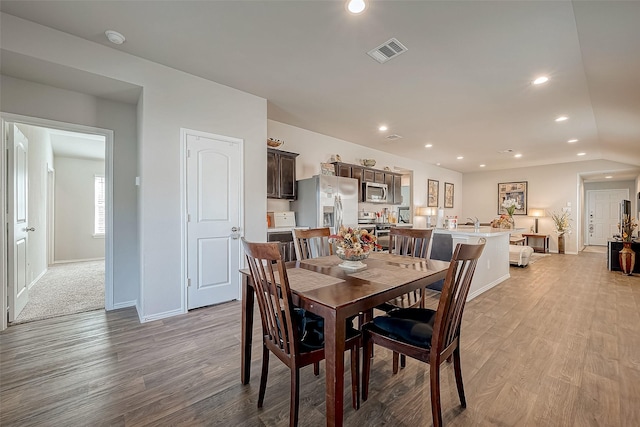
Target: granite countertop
[(469, 230)]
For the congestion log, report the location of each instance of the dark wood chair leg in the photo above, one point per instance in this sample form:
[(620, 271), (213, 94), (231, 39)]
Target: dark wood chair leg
[(457, 367), (295, 393), (355, 377), (367, 346), (316, 368), (403, 361), (263, 376), (436, 410), (395, 362)]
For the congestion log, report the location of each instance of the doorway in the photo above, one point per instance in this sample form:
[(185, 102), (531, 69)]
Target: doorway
[(58, 220), (603, 214)]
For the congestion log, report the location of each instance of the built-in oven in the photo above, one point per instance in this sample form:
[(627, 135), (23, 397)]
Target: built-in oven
[(374, 192)]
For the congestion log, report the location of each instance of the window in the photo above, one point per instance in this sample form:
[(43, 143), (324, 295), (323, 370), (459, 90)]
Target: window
[(99, 205)]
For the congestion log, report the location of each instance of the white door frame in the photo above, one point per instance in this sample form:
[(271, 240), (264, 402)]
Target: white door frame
[(183, 204), (35, 121)]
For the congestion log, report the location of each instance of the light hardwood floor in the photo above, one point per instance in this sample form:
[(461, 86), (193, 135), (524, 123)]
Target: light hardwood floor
[(558, 344)]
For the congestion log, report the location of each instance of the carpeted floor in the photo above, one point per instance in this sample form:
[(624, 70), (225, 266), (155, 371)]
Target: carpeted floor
[(66, 289)]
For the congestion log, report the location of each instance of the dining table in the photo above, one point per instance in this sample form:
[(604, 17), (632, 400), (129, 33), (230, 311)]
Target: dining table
[(321, 286)]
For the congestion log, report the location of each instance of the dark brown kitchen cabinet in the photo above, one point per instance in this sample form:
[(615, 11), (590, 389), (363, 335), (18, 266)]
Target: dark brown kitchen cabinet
[(378, 177), (281, 174), (343, 169), (368, 175)]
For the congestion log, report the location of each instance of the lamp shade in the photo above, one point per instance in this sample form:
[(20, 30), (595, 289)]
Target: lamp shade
[(422, 211), (536, 212)]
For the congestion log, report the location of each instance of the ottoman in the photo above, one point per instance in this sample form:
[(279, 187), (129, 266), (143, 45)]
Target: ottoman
[(519, 255)]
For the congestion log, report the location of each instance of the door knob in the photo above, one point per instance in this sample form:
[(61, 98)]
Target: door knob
[(30, 229), (235, 229)]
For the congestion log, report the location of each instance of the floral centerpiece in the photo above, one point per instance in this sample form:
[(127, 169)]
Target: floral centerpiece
[(626, 227), (510, 206), (503, 221), (353, 245), (561, 222)]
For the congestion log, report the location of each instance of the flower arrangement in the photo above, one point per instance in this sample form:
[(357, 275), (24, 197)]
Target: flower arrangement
[(503, 221), (510, 205), (626, 228), (353, 242), (561, 222)]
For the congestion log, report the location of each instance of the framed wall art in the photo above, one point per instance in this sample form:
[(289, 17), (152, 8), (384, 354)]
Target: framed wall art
[(515, 191), (432, 193), (448, 195)]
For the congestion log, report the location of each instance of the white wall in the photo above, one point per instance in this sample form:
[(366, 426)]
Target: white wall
[(315, 148), (550, 187), (42, 101), (74, 209), (171, 100), (39, 159)]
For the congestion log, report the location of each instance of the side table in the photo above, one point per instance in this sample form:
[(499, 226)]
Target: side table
[(538, 242)]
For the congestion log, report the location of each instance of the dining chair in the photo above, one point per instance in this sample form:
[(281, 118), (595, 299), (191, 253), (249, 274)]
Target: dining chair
[(427, 335), (285, 328), (414, 243), (312, 243)]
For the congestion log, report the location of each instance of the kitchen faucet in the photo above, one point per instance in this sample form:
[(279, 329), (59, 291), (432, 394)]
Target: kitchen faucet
[(476, 223)]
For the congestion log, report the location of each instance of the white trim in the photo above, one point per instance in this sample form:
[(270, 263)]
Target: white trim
[(3, 223), (98, 236), (183, 206), (108, 134), (69, 261), (37, 278), (158, 316), (125, 304)]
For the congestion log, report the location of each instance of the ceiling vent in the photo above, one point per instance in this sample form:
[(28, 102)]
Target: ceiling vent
[(393, 137), (507, 151), (387, 50)]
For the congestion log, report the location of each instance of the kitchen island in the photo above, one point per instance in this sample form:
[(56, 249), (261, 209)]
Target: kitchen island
[(493, 266)]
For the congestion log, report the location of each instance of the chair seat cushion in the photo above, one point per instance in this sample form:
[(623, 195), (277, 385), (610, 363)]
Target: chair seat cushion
[(436, 286), (410, 325), (311, 330)]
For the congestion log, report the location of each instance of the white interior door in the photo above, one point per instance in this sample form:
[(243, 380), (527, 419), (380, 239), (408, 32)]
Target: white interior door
[(213, 219), (18, 188), (603, 214)]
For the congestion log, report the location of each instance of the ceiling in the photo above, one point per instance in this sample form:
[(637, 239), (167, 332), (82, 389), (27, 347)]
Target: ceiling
[(77, 145), (464, 85)]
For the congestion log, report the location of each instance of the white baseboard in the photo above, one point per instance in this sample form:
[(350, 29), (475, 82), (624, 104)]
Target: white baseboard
[(487, 287), (68, 261), (36, 279), (126, 304), (158, 316)]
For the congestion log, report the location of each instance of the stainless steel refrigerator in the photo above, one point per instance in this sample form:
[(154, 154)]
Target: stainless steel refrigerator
[(327, 201)]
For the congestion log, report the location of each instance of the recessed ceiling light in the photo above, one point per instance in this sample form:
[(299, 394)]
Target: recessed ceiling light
[(482, 166), (540, 80), (460, 157), (114, 37), (428, 145), (562, 118), (437, 164), (608, 177), (571, 141), (382, 128), (517, 156), (581, 154), (356, 6)]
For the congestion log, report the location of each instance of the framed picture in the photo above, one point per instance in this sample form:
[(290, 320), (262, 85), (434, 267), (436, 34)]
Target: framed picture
[(515, 191), (448, 195), (432, 193)]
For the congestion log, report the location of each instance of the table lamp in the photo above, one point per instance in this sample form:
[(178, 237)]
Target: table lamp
[(426, 212), (536, 213)]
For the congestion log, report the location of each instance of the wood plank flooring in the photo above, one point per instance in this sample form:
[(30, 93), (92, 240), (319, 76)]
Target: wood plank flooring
[(558, 344)]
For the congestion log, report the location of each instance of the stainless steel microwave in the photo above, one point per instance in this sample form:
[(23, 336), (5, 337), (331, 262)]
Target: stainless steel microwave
[(373, 192)]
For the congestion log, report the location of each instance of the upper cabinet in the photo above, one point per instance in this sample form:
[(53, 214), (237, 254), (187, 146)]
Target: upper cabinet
[(365, 174), (281, 174)]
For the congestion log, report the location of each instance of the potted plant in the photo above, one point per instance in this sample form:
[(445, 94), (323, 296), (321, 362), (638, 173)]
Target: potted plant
[(561, 222)]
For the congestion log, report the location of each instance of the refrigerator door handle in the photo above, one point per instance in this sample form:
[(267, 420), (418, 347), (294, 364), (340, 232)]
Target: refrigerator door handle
[(338, 212)]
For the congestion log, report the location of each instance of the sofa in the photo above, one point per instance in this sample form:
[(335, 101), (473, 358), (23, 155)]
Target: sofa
[(519, 255)]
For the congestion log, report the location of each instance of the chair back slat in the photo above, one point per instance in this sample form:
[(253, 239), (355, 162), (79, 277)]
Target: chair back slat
[(454, 295), (409, 241), (312, 243), (273, 293)]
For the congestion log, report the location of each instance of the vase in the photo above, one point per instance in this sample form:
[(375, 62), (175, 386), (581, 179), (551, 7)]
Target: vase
[(352, 262), (561, 243), (627, 258)]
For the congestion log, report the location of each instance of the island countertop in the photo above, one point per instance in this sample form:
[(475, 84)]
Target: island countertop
[(469, 230)]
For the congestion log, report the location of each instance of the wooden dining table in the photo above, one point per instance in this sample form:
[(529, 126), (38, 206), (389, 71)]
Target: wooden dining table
[(320, 286)]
